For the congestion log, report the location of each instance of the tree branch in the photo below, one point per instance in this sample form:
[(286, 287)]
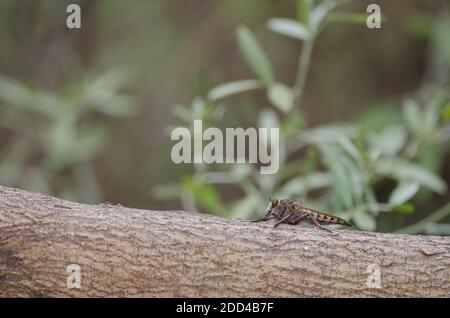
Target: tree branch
[(129, 252)]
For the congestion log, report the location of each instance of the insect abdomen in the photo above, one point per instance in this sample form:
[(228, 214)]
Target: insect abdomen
[(342, 222), (327, 218), (331, 219)]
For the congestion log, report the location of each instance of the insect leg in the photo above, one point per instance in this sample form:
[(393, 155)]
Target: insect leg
[(266, 217), (282, 220), (316, 223), (298, 218)]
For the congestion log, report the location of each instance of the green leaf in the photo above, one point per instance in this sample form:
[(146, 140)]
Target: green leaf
[(412, 115), (303, 10), (432, 158), (254, 55), (333, 135), (404, 170), (319, 13), (23, 98), (342, 183), (446, 113), (268, 119), (348, 145), (232, 88), (364, 220), (405, 208), (379, 115), (353, 18), (430, 121), (292, 124), (403, 193), (389, 141), (289, 27), (425, 177), (281, 96)]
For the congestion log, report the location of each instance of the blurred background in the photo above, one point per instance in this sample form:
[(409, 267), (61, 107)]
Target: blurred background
[(86, 114)]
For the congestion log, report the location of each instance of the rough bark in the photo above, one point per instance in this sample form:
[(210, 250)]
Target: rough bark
[(129, 252)]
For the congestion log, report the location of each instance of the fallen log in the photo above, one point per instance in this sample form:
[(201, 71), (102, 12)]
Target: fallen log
[(46, 242)]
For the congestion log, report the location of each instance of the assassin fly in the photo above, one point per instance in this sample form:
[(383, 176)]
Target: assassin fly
[(293, 212)]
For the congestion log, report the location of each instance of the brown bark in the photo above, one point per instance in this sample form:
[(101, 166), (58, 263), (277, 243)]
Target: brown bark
[(129, 252)]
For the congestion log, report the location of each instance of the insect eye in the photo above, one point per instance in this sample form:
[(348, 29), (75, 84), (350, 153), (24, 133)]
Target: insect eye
[(274, 203)]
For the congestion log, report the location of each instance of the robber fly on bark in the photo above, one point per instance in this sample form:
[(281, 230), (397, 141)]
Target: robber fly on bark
[(293, 212)]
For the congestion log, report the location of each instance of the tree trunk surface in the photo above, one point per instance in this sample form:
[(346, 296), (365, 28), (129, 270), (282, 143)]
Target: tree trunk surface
[(123, 252)]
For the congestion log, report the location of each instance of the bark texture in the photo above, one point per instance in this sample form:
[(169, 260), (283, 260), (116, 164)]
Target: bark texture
[(134, 253)]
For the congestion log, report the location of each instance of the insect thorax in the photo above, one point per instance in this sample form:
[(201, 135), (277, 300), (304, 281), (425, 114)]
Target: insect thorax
[(282, 210)]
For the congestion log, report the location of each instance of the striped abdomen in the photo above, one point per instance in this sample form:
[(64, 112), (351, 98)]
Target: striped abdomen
[(330, 219)]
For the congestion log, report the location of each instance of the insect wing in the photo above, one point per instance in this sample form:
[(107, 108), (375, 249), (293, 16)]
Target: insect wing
[(318, 213)]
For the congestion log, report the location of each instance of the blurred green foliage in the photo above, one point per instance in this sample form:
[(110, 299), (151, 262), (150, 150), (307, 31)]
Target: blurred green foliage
[(339, 167), (54, 136), (65, 102)]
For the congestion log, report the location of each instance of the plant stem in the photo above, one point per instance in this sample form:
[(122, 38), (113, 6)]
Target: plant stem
[(419, 226), (302, 71)]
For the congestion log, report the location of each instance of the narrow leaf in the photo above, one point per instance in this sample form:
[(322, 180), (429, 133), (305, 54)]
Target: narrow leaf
[(342, 183), (389, 141), (411, 114), (303, 10), (404, 170), (319, 13), (403, 193), (364, 221), (405, 208), (281, 96), (254, 55), (446, 113), (354, 18), (288, 27), (232, 88)]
